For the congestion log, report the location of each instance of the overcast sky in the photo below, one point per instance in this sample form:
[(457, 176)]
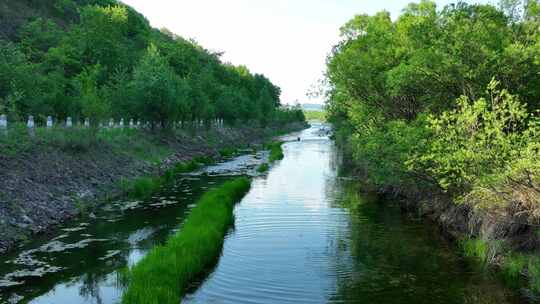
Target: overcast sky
[(287, 40)]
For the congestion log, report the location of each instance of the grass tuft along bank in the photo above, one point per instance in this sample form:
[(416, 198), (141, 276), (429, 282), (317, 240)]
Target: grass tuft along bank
[(162, 276)]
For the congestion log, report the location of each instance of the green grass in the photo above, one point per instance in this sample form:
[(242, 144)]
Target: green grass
[(276, 151), (141, 188), (315, 115), (137, 143), (477, 249), (533, 270), (513, 266), (263, 168), (227, 152), (144, 187), (163, 275)]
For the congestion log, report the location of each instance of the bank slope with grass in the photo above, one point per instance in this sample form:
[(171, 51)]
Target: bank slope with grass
[(448, 120), (49, 178), (164, 274)]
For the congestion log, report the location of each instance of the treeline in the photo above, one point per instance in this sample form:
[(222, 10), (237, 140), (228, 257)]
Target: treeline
[(99, 59), (444, 99)]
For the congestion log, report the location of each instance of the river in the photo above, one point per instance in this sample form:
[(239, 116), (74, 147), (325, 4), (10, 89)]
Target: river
[(303, 234)]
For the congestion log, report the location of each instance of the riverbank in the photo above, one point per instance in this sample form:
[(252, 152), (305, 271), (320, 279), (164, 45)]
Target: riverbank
[(502, 239), (45, 182)]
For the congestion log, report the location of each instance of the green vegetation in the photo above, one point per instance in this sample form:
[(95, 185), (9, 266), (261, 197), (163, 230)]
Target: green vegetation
[(144, 187), (99, 59), (276, 152), (138, 143), (228, 152), (162, 276), (445, 100), (263, 168), (513, 265), (315, 115)]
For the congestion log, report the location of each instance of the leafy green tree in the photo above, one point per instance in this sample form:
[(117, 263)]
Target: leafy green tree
[(159, 93), (93, 105)]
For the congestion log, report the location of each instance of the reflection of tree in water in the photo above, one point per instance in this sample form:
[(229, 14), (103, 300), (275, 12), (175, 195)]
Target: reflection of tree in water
[(90, 287), (392, 259)]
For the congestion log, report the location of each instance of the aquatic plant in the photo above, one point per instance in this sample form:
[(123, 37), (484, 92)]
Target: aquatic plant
[(276, 151), (141, 188), (513, 265), (533, 271), (144, 187), (162, 276), (263, 168), (227, 152)]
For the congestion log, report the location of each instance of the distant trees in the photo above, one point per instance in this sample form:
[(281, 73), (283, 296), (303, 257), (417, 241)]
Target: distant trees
[(109, 62)]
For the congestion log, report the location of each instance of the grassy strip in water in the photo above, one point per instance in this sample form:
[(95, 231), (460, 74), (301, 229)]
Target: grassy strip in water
[(514, 266), (276, 152), (144, 187), (263, 168), (162, 276), (227, 152)]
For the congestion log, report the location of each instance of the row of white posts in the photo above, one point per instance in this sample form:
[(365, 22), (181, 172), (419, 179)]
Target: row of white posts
[(111, 124)]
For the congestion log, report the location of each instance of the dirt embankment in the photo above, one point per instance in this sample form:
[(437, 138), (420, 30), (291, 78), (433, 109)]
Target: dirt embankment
[(44, 186), (462, 220)]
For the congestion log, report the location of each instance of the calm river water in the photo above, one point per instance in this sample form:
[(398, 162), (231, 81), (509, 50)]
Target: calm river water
[(303, 234)]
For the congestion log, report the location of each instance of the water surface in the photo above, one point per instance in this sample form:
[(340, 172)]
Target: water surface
[(303, 234)]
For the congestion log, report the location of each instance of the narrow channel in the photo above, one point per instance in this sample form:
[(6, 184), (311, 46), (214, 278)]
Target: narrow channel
[(303, 234)]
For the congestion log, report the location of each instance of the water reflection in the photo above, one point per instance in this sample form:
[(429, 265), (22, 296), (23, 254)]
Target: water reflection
[(396, 259)]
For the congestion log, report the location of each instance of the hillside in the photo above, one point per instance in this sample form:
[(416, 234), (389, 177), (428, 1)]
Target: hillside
[(99, 59), (14, 14)]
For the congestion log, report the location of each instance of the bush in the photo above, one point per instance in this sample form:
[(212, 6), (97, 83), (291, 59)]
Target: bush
[(485, 152)]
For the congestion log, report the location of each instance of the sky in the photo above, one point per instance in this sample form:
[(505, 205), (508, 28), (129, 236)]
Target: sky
[(286, 40)]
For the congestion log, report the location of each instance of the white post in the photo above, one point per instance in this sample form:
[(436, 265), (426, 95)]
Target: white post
[(138, 124), (86, 122), (30, 125), (30, 122), (49, 122), (3, 124), (121, 125), (111, 123), (131, 124), (3, 121), (69, 122)]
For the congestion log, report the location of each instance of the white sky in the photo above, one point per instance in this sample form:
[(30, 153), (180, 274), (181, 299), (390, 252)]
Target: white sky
[(287, 40)]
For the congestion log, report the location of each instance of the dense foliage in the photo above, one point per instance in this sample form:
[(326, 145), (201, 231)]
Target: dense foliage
[(443, 98), (101, 59)]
